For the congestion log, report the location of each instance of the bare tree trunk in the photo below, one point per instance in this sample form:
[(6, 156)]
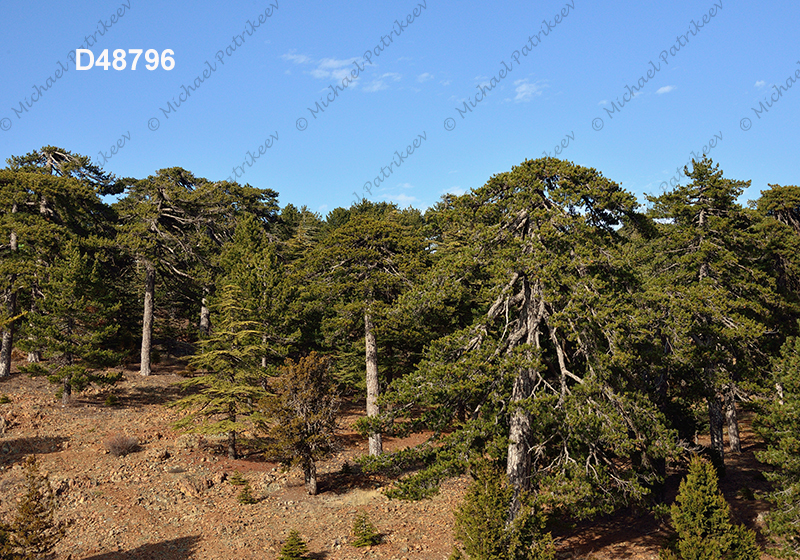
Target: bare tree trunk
[(147, 319), (264, 357), (11, 310), (310, 472), (205, 317), (518, 466), (716, 422), (232, 445), (518, 469), (373, 388), (66, 391), (734, 442)]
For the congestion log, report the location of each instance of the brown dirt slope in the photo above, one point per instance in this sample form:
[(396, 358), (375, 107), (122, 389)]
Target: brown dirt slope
[(171, 500)]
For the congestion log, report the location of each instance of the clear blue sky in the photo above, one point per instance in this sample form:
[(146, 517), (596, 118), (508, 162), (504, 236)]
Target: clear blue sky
[(568, 76)]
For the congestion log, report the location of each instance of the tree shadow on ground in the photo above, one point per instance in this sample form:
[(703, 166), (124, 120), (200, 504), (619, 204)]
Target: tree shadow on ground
[(12, 450), (175, 549)]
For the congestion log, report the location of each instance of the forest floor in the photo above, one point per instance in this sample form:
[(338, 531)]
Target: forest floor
[(171, 500)]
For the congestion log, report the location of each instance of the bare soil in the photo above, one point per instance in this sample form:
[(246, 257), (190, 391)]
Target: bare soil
[(171, 498)]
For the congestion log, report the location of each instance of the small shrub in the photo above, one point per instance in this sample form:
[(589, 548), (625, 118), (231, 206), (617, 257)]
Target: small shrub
[(294, 548), (246, 495), (701, 517), (237, 479), (364, 532), (5, 399), (482, 521), (111, 400), (33, 532), (120, 444)]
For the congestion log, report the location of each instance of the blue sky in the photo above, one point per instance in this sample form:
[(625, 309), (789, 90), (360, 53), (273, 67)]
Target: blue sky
[(705, 84)]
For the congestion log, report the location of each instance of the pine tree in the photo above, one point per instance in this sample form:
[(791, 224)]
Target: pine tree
[(33, 531), (542, 365), (779, 425), (364, 532), (482, 523), (702, 271), (230, 374), (294, 548), (701, 517), (366, 258), (75, 320), (301, 415)]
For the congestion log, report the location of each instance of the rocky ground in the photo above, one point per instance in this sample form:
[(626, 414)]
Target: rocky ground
[(172, 499)]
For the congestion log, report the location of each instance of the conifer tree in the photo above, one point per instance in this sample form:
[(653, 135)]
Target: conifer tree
[(33, 531), (703, 273), (542, 365), (301, 415), (482, 526), (701, 517), (779, 425), (294, 548), (75, 320), (230, 373), (365, 260)]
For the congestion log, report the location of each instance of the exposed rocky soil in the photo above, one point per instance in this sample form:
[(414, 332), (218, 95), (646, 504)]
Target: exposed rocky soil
[(171, 499)]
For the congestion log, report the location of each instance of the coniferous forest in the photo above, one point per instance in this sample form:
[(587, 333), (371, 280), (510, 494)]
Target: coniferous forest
[(565, 344)]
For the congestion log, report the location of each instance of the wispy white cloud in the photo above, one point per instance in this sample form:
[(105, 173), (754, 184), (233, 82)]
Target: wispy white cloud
[(379, 83), (526, 90), (424, 77), (446, 82), (326, 68), (296, 58), (760, 83), (603, 102), (406, 186), (665, 89)]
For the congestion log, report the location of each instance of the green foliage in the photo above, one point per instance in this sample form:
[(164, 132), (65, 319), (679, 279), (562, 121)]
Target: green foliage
[(74, 322), (33, 531), (301, 414), (4, 399), (229, 385), (543, 354), (246, 495), (701, 517), (779, 425), (364, 532), (294, 548), (483, 526), (237, 479)]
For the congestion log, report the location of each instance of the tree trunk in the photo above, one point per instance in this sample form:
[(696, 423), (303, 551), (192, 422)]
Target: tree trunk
[(310, 472), (147, 319), (373, 388), (518, 466), (34, 357), (205, 317), (734, 442), (11, 310), (66, 391), (232, 445), (716, 422), (264, 357)]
